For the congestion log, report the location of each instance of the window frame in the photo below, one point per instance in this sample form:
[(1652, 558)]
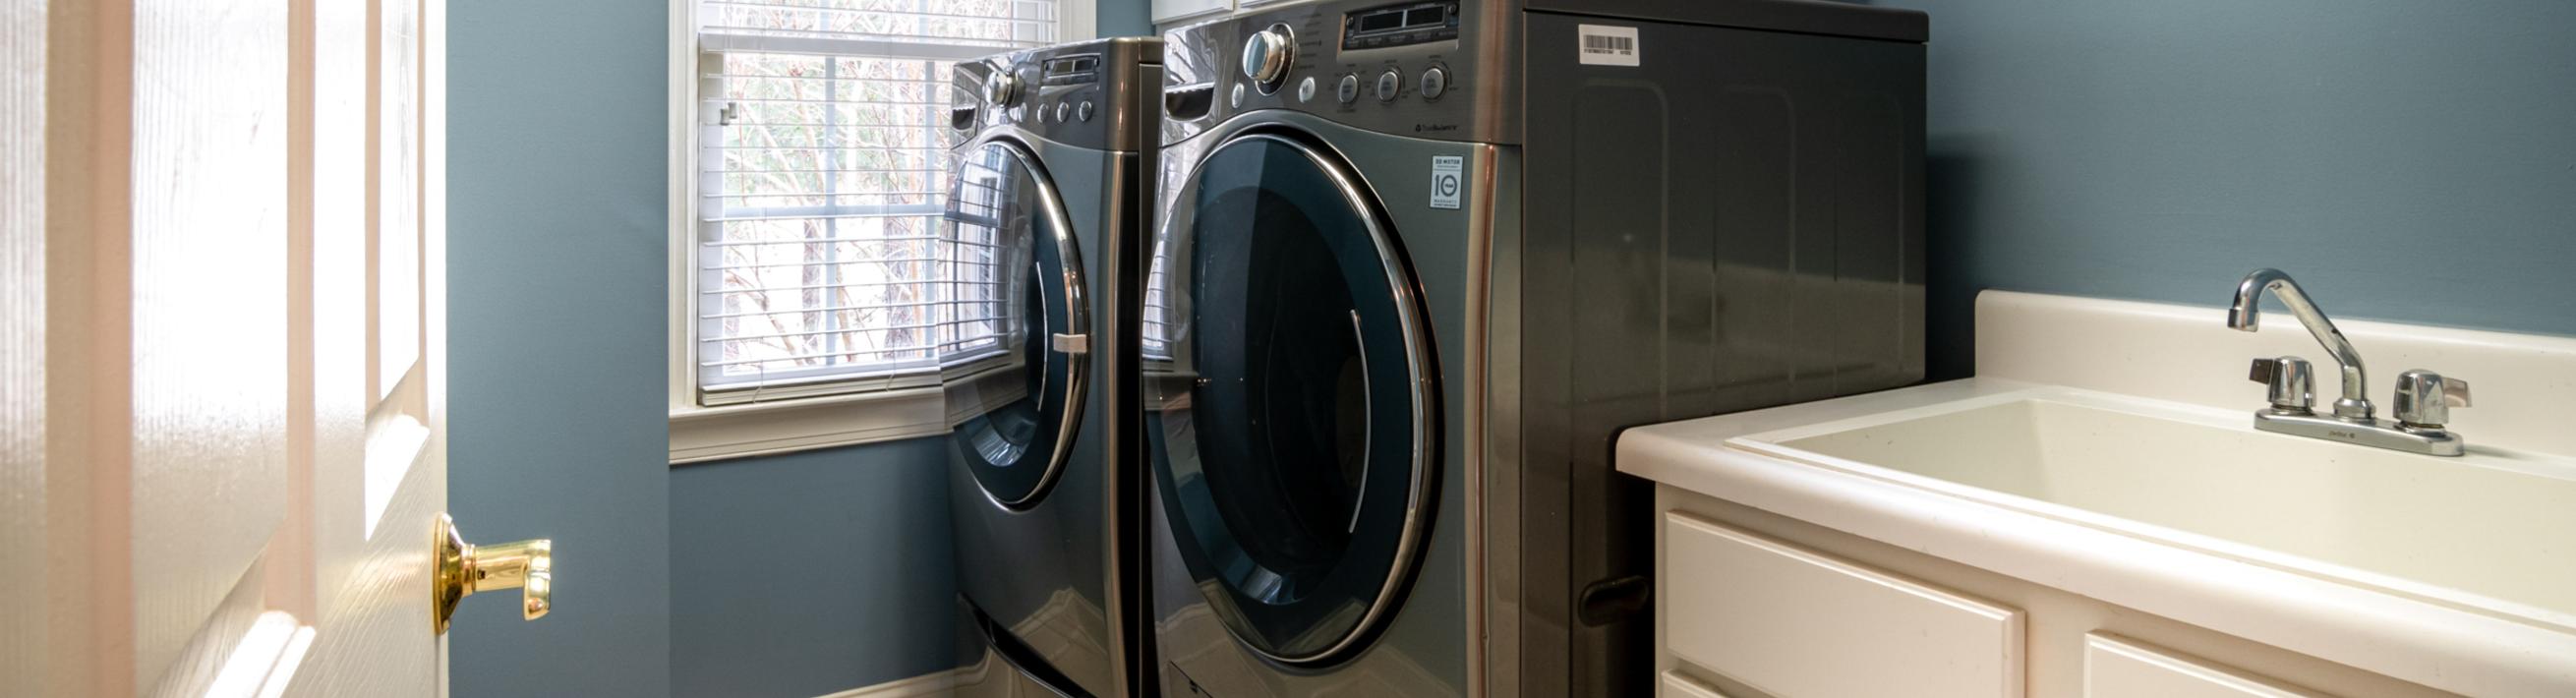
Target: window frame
[(819, 415)]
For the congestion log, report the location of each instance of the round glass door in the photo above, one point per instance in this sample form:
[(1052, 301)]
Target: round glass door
[(1012, 329), (1291, 411)]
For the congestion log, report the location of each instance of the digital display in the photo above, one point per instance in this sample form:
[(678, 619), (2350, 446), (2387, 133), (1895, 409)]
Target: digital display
[(1079, 64), (1072, 70), (1400, 25)]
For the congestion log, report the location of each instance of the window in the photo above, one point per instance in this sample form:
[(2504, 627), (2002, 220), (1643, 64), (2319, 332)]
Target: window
[(823, 168), (813, 155)]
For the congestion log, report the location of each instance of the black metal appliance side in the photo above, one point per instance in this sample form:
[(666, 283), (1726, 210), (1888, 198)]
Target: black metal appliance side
[(1734, 223)]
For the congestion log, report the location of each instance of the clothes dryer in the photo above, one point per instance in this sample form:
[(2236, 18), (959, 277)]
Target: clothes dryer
[(1044, 214), (1418, 262)]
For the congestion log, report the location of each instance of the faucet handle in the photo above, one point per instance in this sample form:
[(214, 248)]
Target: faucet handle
[(2424, 398), (2291, 382)]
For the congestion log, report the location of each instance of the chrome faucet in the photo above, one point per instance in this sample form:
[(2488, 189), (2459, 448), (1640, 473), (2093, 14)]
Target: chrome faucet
[(2246, 315), (2424, 398)]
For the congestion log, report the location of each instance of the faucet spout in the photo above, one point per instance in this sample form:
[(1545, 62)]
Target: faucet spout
[(2246, 315)]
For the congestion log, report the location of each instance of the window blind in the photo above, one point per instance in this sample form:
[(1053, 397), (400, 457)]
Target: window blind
[(1155, 323), (823, 175), (980, 291)]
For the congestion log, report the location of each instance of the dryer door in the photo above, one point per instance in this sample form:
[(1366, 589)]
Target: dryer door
[(1290, 398), (1013, 327)]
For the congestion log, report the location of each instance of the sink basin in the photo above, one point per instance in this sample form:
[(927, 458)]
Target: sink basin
[(2492, 530)]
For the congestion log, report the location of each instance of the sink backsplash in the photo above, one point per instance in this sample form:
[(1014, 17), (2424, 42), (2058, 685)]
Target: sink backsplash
[(2526, 383)]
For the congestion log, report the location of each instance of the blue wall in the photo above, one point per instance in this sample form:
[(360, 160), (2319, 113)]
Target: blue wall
[(1125, 17), (2411, 160), (556, 268), (795, 575), (809, 573)]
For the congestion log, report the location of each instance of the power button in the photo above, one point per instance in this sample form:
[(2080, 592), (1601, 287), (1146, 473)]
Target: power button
[(1435, 80)]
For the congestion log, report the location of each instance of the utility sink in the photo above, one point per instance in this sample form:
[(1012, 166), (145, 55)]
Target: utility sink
[(2492, 531), (2104, 466)]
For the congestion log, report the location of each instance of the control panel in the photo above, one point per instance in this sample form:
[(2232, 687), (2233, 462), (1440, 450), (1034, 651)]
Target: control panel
[(1062, 93), (1401, 67), (1400, 25)]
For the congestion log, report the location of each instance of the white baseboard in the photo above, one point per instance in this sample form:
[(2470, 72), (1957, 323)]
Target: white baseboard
[(937, 683)]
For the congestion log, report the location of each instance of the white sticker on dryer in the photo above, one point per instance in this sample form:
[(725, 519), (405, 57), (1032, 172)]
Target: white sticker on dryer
[(1448, 178), (1606, 45)]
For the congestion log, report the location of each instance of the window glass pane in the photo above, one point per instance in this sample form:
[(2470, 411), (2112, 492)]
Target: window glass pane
[(982, 22), (792, 295), (823, 173)]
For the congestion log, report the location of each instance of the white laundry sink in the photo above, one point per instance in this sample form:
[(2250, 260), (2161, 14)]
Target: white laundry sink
[(2492, 529), (2107, 450)]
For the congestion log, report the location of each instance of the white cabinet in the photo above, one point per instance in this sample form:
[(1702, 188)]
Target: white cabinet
[(1679, 686), (1791, 622), (1170, 12), (2118, 668), (1750, 603)]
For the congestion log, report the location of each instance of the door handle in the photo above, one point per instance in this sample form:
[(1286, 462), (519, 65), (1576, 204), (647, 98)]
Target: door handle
[(465, 569)]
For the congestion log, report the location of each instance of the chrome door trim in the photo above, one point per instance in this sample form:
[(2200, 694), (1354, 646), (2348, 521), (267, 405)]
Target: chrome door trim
[(1126, 219), (1493, 485), (1408, 304), (1077, 319), (1360, 337)]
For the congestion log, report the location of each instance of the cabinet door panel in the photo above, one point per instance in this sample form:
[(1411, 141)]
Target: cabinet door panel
[(1795, 623), (1678, 686), (2117, 668)]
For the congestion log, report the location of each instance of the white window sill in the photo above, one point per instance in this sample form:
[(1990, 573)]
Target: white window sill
[(700, 434)]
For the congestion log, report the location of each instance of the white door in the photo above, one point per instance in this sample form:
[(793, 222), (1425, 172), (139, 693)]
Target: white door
[(225, 360)]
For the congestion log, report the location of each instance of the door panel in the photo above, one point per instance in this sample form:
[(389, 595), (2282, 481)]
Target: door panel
[(1292, 416), (1020, 385), (378, 325), (2117, 668), (242, 324), (1794, 622), (22, 349), (208, 410)]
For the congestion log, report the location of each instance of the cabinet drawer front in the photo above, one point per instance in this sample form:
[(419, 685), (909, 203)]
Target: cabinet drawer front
[(1678, 686), (2117, 668), (1794, 623)]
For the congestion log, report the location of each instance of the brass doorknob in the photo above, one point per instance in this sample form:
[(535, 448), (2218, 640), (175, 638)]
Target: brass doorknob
[(465, 568)]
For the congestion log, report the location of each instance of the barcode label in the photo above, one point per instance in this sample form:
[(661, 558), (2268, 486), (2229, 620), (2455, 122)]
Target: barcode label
[(1606, 45), (1610, 45)]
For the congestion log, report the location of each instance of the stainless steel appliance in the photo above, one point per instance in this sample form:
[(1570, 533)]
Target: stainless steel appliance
[(1417, 263), (1044, 217)]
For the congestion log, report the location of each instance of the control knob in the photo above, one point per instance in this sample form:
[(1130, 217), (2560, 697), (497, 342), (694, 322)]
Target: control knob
[(1001, 88), (1266, 57)]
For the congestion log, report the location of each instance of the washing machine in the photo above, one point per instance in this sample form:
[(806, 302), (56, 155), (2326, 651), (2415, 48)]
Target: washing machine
[(1047, 205), (1417, 263)]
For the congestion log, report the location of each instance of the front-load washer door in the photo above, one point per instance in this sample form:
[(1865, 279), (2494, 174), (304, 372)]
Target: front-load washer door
[(1291, 399), (1013, 327)]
